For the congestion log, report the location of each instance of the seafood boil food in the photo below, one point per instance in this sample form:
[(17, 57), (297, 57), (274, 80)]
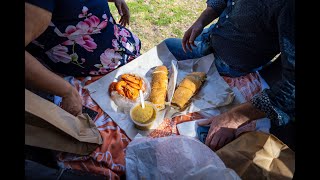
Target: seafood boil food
[(159, 85), (187, 88), (128, 86)]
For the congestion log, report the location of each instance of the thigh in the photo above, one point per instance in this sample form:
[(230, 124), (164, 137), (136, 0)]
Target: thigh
[(205, 35), (175, 47), (202, 48)]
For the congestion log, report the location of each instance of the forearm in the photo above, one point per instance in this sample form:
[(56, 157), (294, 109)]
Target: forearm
[(278, 102), (39, 77), (206, 17), (246, 112), (113, 0)]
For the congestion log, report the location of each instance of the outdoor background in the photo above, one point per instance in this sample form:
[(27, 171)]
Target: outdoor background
[(155, 20)]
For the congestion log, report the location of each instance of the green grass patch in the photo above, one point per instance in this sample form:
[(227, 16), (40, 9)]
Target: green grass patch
[(155, 20)]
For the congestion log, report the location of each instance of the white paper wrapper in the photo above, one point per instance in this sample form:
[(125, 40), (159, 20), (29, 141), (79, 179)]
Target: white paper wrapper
[(174, 157), (190, 128), (214, 93)]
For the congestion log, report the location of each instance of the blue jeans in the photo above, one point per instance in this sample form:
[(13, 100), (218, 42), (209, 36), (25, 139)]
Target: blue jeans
[(203, 48)]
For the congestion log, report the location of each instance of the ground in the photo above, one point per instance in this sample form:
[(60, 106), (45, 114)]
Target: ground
[(155, 20)]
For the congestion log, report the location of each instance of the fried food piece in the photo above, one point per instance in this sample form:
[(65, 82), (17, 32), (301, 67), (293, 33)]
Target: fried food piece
[(112, 87), (133, 85), (120, 87), (128, 86), (159, 85), (187, 88), (158, 97), (193, 81), (131, 78), (134, 81), (131, 92)]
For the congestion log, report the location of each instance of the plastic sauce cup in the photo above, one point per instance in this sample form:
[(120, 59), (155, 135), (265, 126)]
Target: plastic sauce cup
[(143, 118)]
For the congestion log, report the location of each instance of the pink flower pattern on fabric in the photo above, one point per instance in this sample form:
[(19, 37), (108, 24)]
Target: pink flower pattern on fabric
[(81, 34), (115, 44), (59, 54), (110, 59), (84, 13), (124, 33)]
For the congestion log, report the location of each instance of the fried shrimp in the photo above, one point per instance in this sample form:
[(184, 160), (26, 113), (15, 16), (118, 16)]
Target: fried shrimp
[(120, 87)]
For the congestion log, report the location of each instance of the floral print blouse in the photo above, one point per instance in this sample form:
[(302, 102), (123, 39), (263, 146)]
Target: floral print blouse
[(83, 39)]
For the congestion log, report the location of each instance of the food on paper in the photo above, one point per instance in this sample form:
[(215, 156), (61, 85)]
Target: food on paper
[(159, 86), (112, 87), (187, 88), (128, 86)]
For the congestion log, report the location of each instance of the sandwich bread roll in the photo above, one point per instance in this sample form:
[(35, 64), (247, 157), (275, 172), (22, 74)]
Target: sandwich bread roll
[(187, 88), (159, 85)]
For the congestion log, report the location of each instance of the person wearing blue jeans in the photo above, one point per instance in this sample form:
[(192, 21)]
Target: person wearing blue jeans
[(202, 48), (247, 35)]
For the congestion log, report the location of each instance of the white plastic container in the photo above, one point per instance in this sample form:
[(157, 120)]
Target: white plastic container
[(144, 126)]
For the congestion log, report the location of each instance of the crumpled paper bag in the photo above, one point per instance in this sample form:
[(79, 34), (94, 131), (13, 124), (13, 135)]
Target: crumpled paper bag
[(49, 126), (257, 155), (174, 157)]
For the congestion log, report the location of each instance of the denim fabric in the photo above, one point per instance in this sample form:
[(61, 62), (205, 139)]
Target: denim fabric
[(202, 48), (247, 36)]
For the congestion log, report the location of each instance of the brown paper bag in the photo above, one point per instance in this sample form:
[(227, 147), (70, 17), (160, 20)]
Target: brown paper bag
[(49, 126), (256, 155)]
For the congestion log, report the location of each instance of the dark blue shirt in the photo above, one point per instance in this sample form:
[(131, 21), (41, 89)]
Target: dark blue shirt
[(248, 34)]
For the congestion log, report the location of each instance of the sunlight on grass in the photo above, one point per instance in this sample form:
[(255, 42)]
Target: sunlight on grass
[(155, 20)]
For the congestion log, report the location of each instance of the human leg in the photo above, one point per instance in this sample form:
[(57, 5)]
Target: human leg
[(175, 47), (202, 48)]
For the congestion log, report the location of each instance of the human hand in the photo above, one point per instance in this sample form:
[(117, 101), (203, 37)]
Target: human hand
[(72, 103), (225, 135), (123, 12), (190, 35), (222, 129)]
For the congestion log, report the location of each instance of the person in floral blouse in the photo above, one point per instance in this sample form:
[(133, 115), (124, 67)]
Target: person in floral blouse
[(74, 38)]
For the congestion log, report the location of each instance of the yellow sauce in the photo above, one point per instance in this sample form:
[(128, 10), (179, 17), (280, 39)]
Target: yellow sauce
[(145, 115)]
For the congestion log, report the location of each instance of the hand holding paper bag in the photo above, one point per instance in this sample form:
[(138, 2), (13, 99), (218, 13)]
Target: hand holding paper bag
[(49, 126)]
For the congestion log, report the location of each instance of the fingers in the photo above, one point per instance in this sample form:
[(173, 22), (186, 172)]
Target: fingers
[(72, 110), (118, 6), (185, 40), (123, 12), (210, 135), (192, 38), (72, 103), (193, 44), (223, 140), (123, 21), (205, 122), (214, 142), (189, 46), (79, 113), (228, 139), (188, 40), (76, 110)]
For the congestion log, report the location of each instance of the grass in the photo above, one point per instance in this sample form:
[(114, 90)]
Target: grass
[(155, 20)]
